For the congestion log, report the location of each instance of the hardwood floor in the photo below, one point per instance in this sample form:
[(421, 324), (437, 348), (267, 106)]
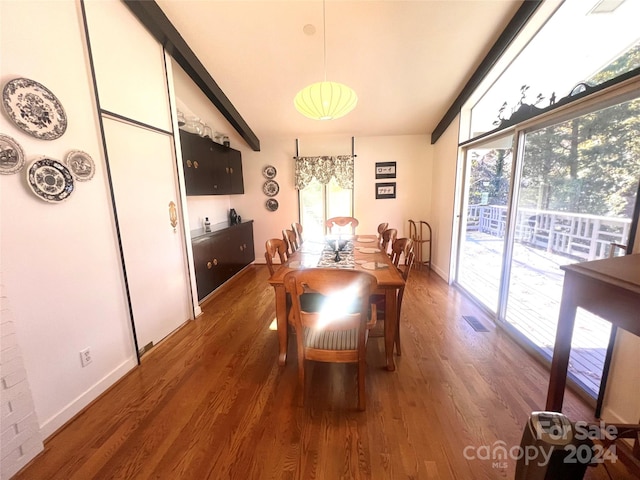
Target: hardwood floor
[(211, 402)]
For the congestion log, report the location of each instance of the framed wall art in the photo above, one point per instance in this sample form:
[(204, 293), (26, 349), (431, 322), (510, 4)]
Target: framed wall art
[(386, 190), (385, 170)]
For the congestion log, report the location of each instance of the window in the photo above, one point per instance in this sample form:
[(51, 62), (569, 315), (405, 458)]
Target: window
[(319, 202), (553, 189), (582, 43), (325, 190)]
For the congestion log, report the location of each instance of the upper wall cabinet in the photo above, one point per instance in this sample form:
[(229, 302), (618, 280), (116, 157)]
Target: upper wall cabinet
[(210, 168), (131, 82)]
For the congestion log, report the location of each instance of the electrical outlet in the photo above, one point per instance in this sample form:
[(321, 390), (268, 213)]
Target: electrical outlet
[(85, 357)]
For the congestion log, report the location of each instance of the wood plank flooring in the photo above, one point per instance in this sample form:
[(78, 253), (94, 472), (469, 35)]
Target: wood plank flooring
[(210, 402)]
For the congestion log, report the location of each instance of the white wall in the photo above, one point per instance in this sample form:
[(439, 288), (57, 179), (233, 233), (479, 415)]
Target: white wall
[(443, 198), (60, 263), (413, 155)]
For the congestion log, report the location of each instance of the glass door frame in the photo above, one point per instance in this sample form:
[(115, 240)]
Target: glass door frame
[(617, 94)]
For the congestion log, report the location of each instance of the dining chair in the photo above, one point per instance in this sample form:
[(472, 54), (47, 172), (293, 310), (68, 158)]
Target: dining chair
[(289, 237), (338, 331), (273, 247), (399, 248), (379, 299), (341, 222), (297, 228), (388, 237), (381, 228)]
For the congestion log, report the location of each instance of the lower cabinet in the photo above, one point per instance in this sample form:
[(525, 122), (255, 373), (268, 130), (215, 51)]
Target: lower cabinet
[(219, 255)]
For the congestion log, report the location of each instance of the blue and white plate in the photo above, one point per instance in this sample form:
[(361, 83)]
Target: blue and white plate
[(272, 204), (271, 188), (33, 108), (11, 155), (50, 180)]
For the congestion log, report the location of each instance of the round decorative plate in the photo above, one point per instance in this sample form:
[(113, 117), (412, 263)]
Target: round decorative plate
[(271, 188), (11, 155), (33, 108), (269, 172), (272, 204), (50, 180), (369, 250), (81, 165)]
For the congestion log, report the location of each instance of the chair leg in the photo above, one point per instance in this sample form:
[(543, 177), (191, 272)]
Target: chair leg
[(300, 380), (361, 393), (397, 339)]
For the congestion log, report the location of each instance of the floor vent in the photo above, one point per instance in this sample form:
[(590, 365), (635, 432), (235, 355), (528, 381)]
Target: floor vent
[(475, 323)]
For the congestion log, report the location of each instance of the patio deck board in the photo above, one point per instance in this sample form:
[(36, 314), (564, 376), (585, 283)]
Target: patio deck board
[(534, 301)]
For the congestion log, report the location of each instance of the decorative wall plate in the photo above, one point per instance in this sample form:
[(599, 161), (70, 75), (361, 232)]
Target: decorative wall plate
[(33, 108), (269, 172), (81, 165), (271, 188), (50, 180), (272, 204), (11, 155)]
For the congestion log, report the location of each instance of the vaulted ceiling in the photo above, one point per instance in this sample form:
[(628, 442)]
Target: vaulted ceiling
[(406, 60)]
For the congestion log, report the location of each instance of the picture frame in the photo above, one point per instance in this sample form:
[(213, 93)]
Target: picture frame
[(385, 190), (385, 170)]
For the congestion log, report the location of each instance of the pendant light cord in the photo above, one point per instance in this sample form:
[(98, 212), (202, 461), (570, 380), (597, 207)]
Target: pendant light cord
[(324, 38)]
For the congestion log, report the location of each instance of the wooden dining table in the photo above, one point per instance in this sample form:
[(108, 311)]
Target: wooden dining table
[(368, 257)]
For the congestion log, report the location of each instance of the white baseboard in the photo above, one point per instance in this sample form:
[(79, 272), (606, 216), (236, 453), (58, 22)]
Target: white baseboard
[(52, 424), (441, 273)]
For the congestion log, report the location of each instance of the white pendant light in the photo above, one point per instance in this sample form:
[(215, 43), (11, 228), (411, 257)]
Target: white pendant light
[(325, 100)]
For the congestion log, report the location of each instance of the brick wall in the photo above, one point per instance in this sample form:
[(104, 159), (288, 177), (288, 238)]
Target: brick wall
[(20, 437)]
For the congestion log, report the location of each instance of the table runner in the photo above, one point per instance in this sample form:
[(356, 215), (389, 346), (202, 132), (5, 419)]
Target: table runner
[(346, 257)]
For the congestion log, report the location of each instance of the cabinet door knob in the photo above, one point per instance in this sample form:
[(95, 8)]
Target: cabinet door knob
[(209, 265), (189, 163), (215, 261), (241, 248), (195, 164), (231, 170)]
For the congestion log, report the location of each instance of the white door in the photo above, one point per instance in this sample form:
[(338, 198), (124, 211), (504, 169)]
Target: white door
[(144, 184)]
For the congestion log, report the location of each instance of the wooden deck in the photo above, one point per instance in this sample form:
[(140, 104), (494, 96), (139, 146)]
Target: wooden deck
[(535, 290)]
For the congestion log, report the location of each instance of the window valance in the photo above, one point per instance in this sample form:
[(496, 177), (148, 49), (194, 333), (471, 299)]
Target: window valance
[(323, 169)]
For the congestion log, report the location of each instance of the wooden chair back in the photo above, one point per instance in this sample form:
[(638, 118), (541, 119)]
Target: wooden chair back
[(341, 223), (388, 237), (381, 228), (273, 247), (297, 228), (401, 248), (289, 237), (379, 300), (338, 330)]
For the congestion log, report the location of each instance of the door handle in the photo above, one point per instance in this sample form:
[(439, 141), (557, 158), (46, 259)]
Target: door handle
[(173, 215)]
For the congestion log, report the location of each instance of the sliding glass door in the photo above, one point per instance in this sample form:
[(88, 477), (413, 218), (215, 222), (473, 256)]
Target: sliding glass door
[(576, 198), (577, 182), (484, 220)]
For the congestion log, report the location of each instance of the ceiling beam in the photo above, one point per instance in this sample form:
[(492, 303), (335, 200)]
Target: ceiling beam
[(154, 19), (509, 34)]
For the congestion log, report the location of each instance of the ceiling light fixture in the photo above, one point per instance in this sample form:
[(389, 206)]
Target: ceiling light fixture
[(325, 100)]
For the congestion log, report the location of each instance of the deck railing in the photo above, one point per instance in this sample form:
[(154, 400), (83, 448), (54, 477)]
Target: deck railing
[(579, 236)]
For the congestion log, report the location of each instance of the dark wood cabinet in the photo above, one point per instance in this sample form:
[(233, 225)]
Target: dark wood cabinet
[(219, 255), (210, 168)]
